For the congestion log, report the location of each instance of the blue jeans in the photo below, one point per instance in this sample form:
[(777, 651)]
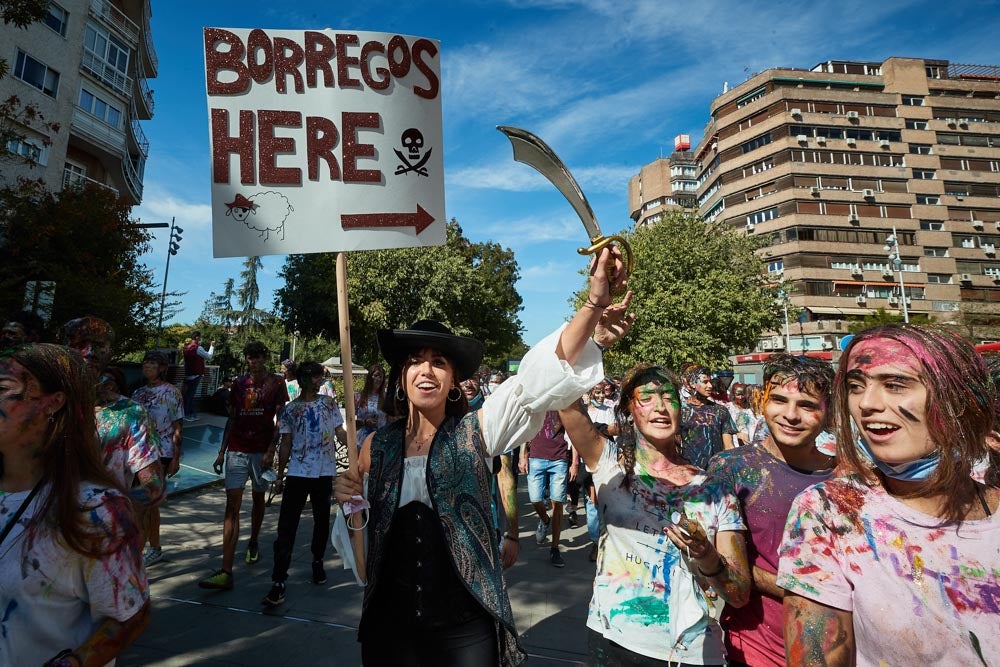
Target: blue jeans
[(190, 396), (543, 474), (593, 519)]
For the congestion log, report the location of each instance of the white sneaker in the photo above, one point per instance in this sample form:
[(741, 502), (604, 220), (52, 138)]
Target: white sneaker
[(151, 556), (541, 532)]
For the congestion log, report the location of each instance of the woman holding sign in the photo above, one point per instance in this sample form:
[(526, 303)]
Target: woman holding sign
[(435, 593), (674, 552)]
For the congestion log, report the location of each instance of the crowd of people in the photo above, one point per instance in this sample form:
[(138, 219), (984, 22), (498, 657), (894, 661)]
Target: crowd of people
[(843, 516)]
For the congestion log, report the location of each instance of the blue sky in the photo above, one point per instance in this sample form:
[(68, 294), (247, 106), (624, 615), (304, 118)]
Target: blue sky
[(607, 84)]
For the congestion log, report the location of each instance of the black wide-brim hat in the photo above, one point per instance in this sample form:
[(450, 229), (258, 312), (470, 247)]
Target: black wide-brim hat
[(466, 354)]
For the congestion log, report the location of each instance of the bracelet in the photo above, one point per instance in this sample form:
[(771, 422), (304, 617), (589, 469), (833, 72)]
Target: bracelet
[(595, 305), (723, 564), (510, 537), (600, 347), (65, 658)]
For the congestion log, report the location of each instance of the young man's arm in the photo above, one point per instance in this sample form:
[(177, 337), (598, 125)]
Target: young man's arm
[(816, 634), (177, 438), (507, 484), (111, 638)]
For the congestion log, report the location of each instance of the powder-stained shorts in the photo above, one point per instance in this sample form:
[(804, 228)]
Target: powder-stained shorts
[(241, 466), (543, 474)]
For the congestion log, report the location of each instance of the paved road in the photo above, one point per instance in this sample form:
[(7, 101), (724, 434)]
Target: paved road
[(318, 624)]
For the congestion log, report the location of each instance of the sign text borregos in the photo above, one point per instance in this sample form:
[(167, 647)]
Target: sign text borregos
[(281, 104)]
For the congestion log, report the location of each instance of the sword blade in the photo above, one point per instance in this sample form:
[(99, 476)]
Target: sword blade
[(534, 152)]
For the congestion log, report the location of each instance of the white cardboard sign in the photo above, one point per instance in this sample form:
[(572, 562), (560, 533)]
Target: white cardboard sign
[(323, 141)]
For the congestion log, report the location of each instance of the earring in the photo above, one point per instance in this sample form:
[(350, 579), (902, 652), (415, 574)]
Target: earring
[(52, 418), (400, 394), (458, 394)]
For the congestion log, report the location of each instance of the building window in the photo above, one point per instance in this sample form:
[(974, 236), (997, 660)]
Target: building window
[(761, 216), (926, 174), (107, 47), (933, 71), (56, 18), (921, 149), (100, 108), (939, 278), (932, 225), (777, 266), (36, 74), (928, 199), (756, 143), (30, 149), (935, 252), (913, 100), (916, 125)]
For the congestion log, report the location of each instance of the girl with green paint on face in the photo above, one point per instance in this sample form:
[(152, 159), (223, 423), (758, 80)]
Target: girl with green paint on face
[(674, 551)]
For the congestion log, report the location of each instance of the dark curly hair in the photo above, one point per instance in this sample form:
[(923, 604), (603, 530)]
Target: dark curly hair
[(638, 376), (814, 376)]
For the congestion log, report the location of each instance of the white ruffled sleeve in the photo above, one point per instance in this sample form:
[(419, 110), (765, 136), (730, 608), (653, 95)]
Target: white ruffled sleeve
[(515, 411)]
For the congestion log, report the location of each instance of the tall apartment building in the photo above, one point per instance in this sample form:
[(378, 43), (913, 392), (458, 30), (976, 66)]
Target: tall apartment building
[(824, 163), (87, 67)]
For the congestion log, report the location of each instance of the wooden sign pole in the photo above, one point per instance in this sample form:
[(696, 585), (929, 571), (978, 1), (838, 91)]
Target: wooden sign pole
[(343, 317)]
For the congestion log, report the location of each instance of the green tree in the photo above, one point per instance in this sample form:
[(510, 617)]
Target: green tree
[(699, 295), (250, 317), (881, 316), (469, 287), (83, 241)]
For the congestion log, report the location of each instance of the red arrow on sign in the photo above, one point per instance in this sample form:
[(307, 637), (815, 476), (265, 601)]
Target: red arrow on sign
[(420, 220)]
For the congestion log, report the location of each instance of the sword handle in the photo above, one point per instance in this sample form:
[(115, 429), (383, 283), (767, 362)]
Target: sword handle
[(599, 243)]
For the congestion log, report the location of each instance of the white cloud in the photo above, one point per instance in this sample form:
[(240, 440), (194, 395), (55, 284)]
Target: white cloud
[(513, 176), (532, 231), (552, 277), (158, 205)]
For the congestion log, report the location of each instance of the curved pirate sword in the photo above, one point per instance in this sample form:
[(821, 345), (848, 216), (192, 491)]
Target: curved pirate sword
[(534, 152)]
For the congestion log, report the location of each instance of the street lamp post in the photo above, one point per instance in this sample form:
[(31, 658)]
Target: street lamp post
[(784, 303), (173, 245), (892, 247)]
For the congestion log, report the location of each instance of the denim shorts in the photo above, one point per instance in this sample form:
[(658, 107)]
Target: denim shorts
[(543, 474), (241, 466)]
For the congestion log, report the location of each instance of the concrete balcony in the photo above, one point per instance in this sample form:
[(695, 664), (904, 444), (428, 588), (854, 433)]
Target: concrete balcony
[(99, 68), (117, 20), (71, 179), (105, 137)]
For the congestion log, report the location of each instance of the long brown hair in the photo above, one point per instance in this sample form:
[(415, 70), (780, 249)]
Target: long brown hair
[(369, 387), (959, 414), (70, 454), (638, 376)]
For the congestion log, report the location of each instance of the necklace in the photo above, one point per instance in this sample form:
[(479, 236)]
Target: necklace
[(418, 444)]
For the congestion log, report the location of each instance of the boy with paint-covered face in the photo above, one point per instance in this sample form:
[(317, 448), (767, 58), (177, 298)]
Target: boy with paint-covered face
[(896, 561), (129, 440), (766, 480)]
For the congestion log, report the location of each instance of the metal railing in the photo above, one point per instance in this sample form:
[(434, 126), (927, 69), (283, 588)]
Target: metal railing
[(117, 19), (985, 72), (138, 136), (72, 179), (104, 71), (150, 49), (133, 177)]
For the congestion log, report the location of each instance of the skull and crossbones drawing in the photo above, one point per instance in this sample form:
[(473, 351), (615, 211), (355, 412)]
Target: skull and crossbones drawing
[(412, 141)]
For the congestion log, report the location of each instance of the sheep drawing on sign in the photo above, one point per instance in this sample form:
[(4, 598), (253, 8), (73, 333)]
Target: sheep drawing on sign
[(269, 210)]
